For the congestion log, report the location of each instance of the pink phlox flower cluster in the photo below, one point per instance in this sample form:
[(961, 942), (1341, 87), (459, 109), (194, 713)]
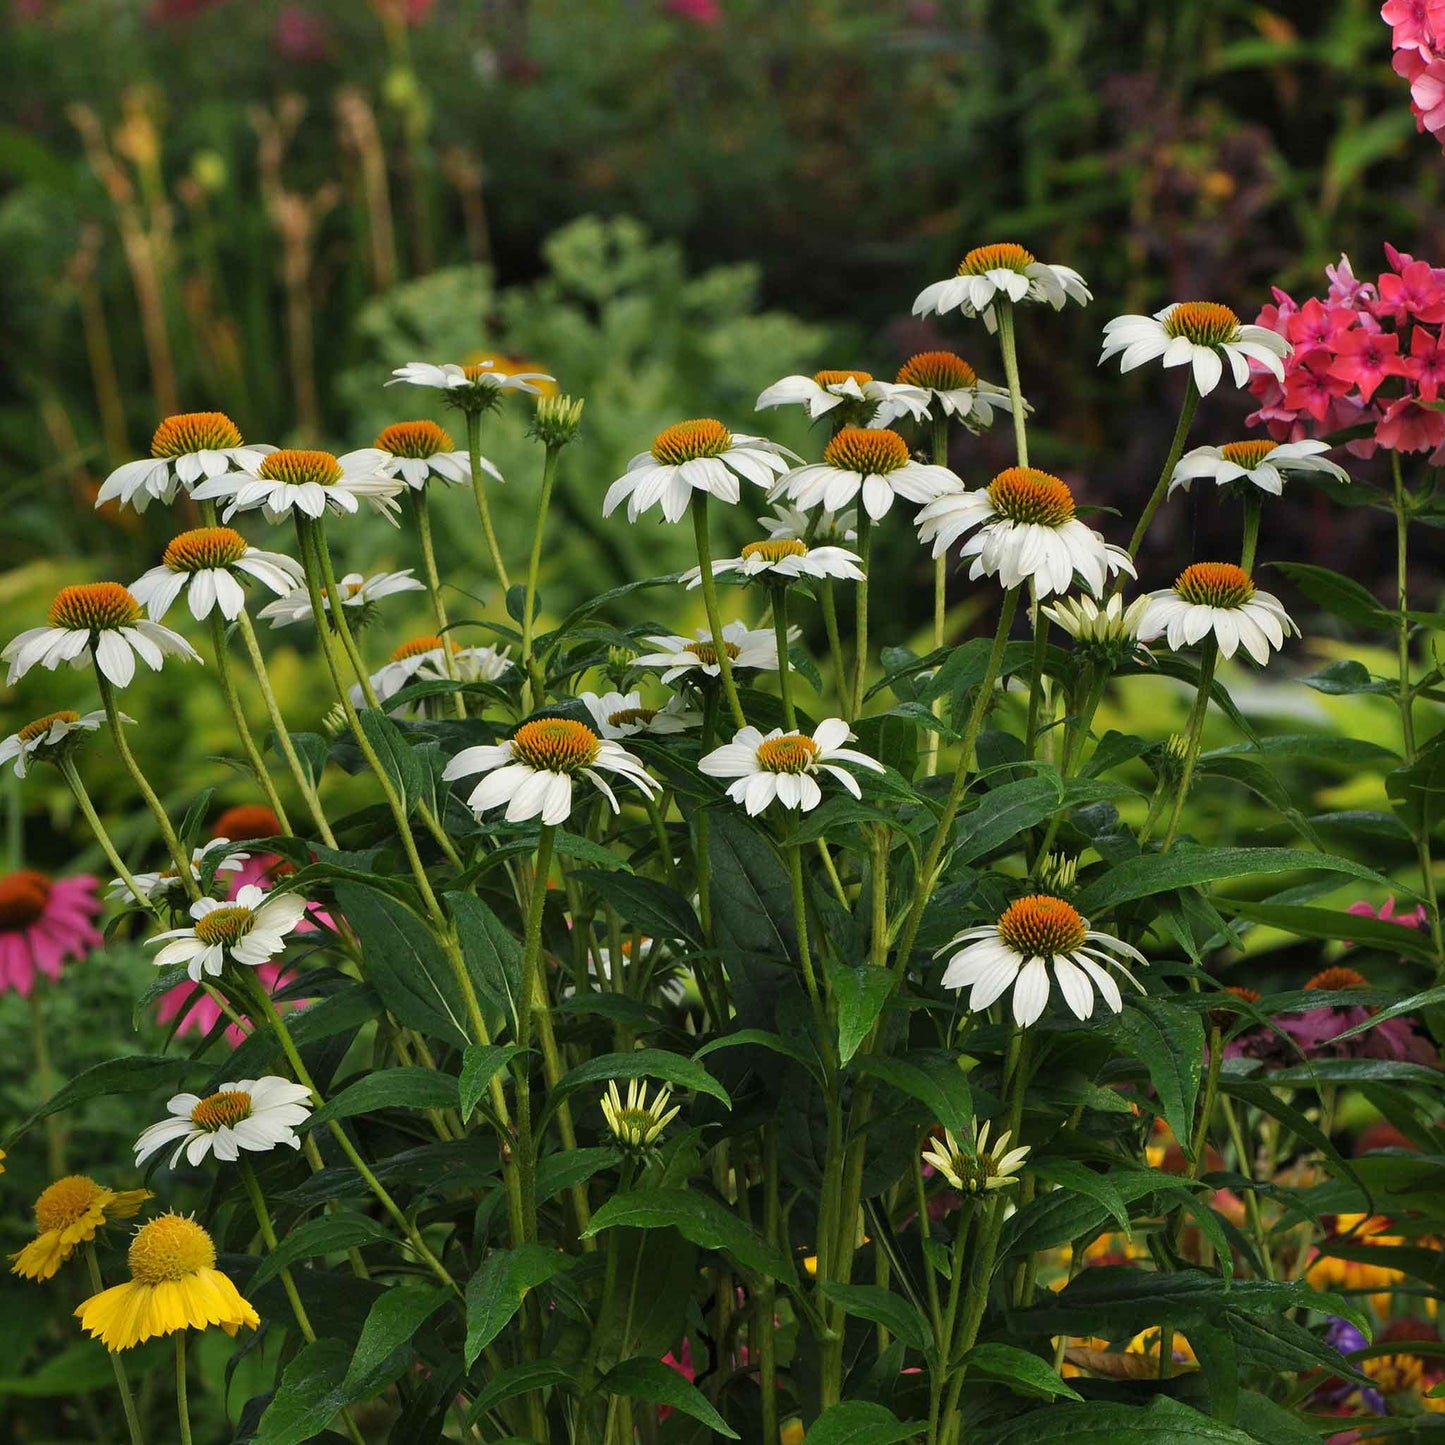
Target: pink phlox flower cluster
[(1419, 39)]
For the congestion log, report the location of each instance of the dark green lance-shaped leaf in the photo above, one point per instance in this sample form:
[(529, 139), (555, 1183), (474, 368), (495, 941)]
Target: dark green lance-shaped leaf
[(647, 905), (1280, 1346), (380, 1355), (1343, 678), (698, 1218), (405, 964), (390, 1089), (138, 1074), (860, 994), (326, 1234), (570, 1167), (398, 759), (1080, 1179), (480, 1065), (1271, 1424), (934, 1079), (1003, 814), (1169, 1041), (776, 1043), (1317, 748), (493, 957), (642, 1064), (660, 1384), (1099, 1422), (1059, 1216), (496, 1291), (883, 1307), (1337, 925), (860, 1422), (1339, 595), (518, 1380), (1185, 866), (309, 1396), (1028, 1373), (1416, 1003), (752, 902), (1418, 791)]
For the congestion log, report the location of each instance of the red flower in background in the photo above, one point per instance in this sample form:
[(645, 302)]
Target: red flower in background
[(700, 12)]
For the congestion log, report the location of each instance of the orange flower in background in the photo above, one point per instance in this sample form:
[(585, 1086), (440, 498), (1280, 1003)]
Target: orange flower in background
[(1329, 1272)]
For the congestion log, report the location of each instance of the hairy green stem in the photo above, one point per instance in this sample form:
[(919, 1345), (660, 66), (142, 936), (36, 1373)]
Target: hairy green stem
[(780, 630), (1003, 310), (238, 718), (421, 513), (714, 616), (83, 801), (127, 1400), (860, 626), (531, 965), (1161, 487), (1192, 739), (479, 491), (182, 1406), (534, 563)]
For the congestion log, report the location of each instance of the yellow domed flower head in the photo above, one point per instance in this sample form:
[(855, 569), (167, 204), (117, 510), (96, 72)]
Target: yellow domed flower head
[(174, 1285), (67, 1214)]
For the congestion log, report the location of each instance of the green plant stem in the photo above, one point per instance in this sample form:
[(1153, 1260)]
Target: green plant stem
[(1008, 345), (829, 603), (238, 718), (708, 584), (860, 626), (960, 780), (1161, 487), (421, 513), (1253, 507), (182, 1407), (800, 923), (1036, 676), (127, 1400), (283, 733), (535, 683), (766, 1303), (1244, 1164), (158, 812), (531, 967), (1192, 739), (71, 775), (45, 1079), (780, 631), (479, 491), (940, 597)]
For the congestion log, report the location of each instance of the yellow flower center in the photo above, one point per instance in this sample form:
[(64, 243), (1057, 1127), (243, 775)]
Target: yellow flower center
[(791, 753), (416, 439), (706, 653), (1214, 584), (872, 453), (1042, 927), (23, 897), (246, 821), (225, 925), (195, 431), (937, 371), (555, 745), (632, 717), (94, 607), (1001, 256), (66, 1201), (170, 1247), (420, 646), (1024, 494), (776, 548), (204, 548), (1337, 978), (837, 378), (41, 725), (223, 1110), (1247, 454), (686, 441), (1205, 323), (297, 467)]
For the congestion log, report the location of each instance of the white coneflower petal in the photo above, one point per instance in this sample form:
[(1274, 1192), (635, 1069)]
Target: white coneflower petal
[(250, 929), (208, 566), (637, 1124), (977, 1169), (1262, 463), (256, 1115), (354, 590), (783, 766), (50, 737), (166, 887), (1218, 598), (1202, 335), (681, 656), (622, 715), (1001, 271), (185, 449), (781, 560), (869, 464)]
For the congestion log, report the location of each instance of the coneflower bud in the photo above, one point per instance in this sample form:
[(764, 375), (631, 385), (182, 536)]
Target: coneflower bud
[(557, 420)]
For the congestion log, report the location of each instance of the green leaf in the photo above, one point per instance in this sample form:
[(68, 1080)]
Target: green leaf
[(519, 1380), (1416, 1003), (480, 1065), (410, 1088), (642, 1064), (493, 957), (496, 1291), (398, 758), (647, 905), (570, 1167), (1169, 1041), (659, 1384), (860, 1422), (761, 1037), (137, 1074), (860, 994), (1080, 1179), (309, 1396), (1417, 792), (1097, 1422), (1341, 679), (1336, 925), (935, 1080), (326, 1234), (697, 1217), (883, 1307), (752, 901), (1004, 813), (1311, 748), (1341, 596), (1019, 1367), (390, 1324)]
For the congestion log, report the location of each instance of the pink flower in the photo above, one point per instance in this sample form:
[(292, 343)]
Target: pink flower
[(244, 824), (1415, 293), (1408, 426), (1311, 387), (700, 12), (1316, 1030), (44, 921), (681, 1361), (1366, 358), (1425, 365), (1318, 325), (301, 36), (1411, 22), (200, 1013), (1416, 918), (1345, 289)]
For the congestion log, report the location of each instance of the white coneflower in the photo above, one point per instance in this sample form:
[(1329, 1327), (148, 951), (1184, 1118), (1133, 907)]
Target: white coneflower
[(251, 1114), (1218, 598), (49, 737), (203, 564), (978, 1169), (1005, 270), (697, 654), (416, 451), (311, 483), (186, 449), (670, 987), (782, 560), (783, 766), (953, 388), (165, 886), (534, 771), (785, 523), (1109, 632), (1262, 463), (1023, 530), (858, 395), (1199, 334), (702, 456), (98, 621), (354, 589), (251, 929), (637, 1124), (1032, 936), (424, 658), (473, 386), (868, 463), (622, 715)]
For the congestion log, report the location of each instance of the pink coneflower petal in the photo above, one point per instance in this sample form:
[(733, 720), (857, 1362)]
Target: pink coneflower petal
[(43, 922)]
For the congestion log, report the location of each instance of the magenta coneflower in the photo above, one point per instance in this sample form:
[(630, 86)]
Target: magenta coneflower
[(44, 921)]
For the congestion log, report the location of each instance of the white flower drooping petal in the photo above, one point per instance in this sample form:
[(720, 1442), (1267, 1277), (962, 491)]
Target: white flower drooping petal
[(977, 1169), (621, 715), (251, 929), (953, 389), (1202, 335), (471, 386), (204, 564), (779, 561), (1218, 598), (424, 659), (185, 449), (355, 591), (783, 766), (295, 482), (50, 737), (251, 1114), (416, 452), (1004, 271), (697, 654), (856, 395), (866, 462), (1262, 463)]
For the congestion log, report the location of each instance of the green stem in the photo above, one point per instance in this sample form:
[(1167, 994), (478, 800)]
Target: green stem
[(531, 967), (709, 601), (45, 1078), (1253, 507), (860, 626), (805, 952), (82, 799), (268, 1234), (238, 718), (835, 641), (780, 631), (283, 733), (1161, 487), (182, 1407), (1008, 345), (534, 563), (421, 513), (158, 812), (766, 1303), (1192, 739), (940, 596), (127, 1400), (479, 491), (1036, 677)]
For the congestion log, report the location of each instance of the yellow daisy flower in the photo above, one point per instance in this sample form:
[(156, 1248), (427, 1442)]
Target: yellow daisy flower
[(67, 1215), (174, 1285)]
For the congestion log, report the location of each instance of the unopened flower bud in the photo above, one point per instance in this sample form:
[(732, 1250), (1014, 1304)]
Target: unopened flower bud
[(557, 420)]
